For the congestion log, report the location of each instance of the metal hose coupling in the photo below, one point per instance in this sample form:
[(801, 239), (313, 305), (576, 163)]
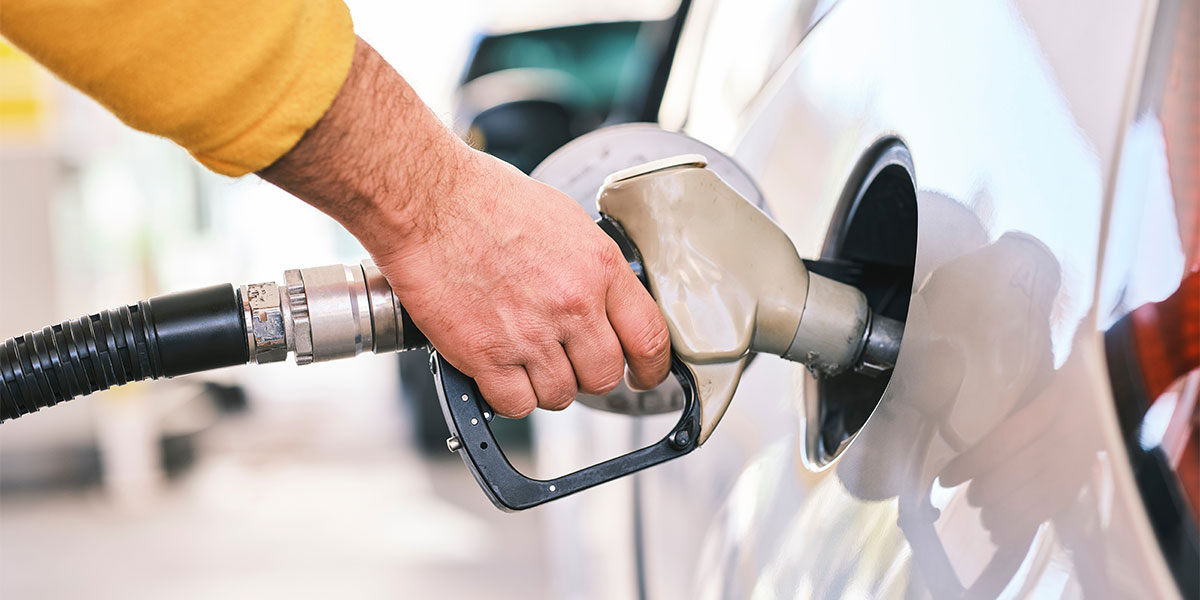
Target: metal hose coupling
[(326, 313)]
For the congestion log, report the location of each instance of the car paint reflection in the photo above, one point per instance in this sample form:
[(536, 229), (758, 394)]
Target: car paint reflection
[(993, 465)]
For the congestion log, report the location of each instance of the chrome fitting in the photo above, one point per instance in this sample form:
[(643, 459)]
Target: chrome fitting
[(263, 316), (385, 310), (299, 333), (338, 311), (324, 313)]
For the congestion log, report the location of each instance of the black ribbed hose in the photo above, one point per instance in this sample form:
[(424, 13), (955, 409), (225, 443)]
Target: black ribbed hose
[(164, 336)]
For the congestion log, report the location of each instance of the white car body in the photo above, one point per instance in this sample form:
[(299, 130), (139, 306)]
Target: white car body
[(993, 465)]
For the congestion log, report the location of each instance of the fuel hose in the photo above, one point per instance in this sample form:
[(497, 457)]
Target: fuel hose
[(318, 314)]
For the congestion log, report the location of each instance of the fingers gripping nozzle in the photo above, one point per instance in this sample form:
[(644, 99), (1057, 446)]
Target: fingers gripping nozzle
[(729, 282)]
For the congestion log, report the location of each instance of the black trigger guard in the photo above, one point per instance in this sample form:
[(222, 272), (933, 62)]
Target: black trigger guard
[(468, 416)]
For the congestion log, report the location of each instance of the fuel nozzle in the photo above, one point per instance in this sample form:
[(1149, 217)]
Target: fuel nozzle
[(729, 283)]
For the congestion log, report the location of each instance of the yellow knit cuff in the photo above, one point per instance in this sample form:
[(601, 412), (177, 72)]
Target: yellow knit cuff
[(300, 104)]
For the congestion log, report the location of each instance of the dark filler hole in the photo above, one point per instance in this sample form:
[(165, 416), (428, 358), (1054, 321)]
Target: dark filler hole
[(872, 246)]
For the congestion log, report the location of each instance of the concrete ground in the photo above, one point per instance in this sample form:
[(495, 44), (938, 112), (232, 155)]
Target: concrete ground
[(301, 498)]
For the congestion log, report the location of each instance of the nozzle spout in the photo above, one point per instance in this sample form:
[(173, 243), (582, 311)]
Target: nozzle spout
[(882, 346)]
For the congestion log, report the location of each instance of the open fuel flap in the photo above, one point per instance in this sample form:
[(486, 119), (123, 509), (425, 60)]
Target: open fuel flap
[(872, 245)]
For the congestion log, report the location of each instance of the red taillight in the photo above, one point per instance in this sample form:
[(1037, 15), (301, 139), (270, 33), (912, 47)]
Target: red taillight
[(1166, 339), (1167, 336)]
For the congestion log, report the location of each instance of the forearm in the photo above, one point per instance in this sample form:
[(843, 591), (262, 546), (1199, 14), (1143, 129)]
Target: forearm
[(377, 159)]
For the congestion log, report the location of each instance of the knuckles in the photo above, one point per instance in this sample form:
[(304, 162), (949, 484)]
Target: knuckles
[(604, 374), (583, 294), (653, 343), (559, 402), (606, 383), (608, 255), (489, 350), (577, 300), (506, 393), (518, 410), (557, 391)]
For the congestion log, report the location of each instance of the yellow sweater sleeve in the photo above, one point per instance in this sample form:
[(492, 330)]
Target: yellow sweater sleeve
[(235, 82)]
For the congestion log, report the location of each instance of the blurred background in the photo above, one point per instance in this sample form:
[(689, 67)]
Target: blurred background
[(331, 479)]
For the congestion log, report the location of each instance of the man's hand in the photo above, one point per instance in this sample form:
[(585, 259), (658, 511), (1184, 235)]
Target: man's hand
[(507, 277), (518, 288)]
